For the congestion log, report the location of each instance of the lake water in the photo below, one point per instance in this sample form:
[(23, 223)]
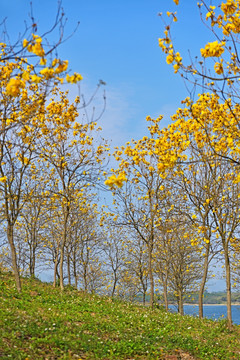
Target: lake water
[(212, 311)]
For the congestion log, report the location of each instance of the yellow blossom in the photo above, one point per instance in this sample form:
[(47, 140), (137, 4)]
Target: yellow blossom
[(73, 78), (169, 59), (14, 87), (176, 67), (218, 67), (229, 7), (47, 73), (36, 79), (25, 43), (61, 67), (43, 61), (3, 179), (213, 49), (116, 180)]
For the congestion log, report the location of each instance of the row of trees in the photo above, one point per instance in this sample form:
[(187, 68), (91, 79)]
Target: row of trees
[(49, 164), (196, 157), (189, 211), (176, 191)]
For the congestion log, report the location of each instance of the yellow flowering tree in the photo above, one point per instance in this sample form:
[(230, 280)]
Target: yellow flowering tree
[(138, 186), (216, 67), (31, 224), (29, 77), (114, 257), (215, 72), (73, 159), (213, 118)]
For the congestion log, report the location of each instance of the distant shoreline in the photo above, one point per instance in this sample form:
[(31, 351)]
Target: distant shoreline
[(225, 304)]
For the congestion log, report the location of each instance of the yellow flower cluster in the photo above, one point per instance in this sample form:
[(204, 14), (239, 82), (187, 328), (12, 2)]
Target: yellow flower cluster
[(213, 49), (172, 56), (62, 65), (48, 73), (14, 87), (35, 46), (229, 7), (3, 179), (116, 180), (57, 66), (218, 67), (73, 78)]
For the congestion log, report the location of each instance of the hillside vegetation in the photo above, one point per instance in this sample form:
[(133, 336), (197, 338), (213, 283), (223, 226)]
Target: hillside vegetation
[(219, 297), (209, 298), (45, 323)]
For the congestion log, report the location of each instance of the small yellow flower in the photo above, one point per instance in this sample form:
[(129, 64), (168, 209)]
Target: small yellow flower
[(176, 67), (25, 43), (43, 61), (62, 67), (36, 79), (169, 59), (3, 179), (218, 67)]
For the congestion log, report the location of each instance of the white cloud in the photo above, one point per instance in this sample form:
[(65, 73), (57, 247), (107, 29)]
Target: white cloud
[(121, 121)]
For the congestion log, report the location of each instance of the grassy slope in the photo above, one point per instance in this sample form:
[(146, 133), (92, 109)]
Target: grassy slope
[(42, 323)]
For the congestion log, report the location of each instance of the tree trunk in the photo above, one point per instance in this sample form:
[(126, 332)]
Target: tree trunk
[(114, 284), (55, 269), (75, 270), (144, 296), (61, 266), (33, 264), (151, 277), (64, 240), (203, 282), (14, 257), (165, 294), (180, 303), (69, 269), (85, 278), (32, 260), (228, 288)]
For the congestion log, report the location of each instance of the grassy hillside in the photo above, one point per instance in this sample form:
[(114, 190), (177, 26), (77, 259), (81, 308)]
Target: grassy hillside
[(43, 323)]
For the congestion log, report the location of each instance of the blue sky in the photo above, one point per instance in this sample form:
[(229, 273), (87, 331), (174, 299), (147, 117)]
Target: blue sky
[(117, 41)]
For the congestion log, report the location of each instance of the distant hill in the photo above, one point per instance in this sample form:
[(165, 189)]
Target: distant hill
[(215, 298), (219, 297)]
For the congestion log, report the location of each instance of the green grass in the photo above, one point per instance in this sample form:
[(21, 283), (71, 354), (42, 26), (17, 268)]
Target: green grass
[(43, 323)]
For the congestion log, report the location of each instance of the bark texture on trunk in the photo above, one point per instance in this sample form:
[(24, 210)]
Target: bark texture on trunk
[(228, 288), (180, 303), (144, 297), (75, 270), (62, 249), (203, 282), (151, 277), (114, 284), (165, 295), (55, 274), (69, 269), (14, 257)]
